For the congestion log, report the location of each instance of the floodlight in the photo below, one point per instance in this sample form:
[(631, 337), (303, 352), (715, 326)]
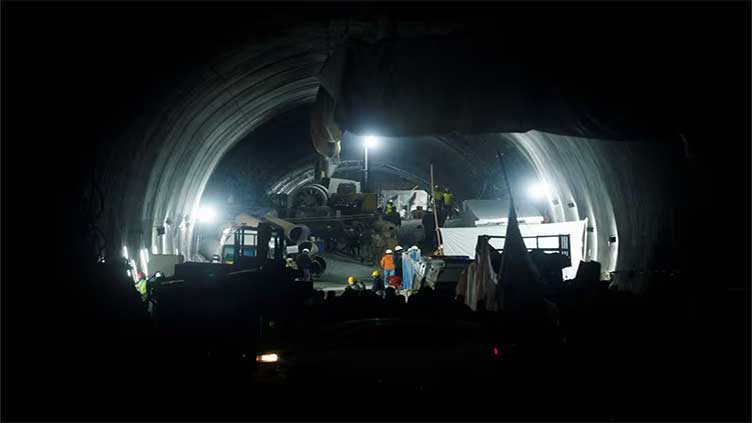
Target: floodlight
[(207, 214), (538, 191), (370, 141)]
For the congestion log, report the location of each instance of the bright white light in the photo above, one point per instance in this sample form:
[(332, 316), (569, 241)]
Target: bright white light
[(125, 252), (538, 191), (370, 141), (134, 274), (145, 260), (207, 214), (267, 358)]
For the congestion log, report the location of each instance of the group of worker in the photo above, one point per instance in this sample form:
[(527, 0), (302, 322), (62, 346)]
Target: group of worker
[(391, 273), (444, 200), (377, 283)]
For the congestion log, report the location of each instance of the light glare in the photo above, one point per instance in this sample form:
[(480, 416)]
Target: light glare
[(134, 273), (207, 214), (538, 191), (145, 260), (267, 358), (370, 141)]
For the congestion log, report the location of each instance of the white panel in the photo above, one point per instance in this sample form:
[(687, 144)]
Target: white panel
[(461, 241)]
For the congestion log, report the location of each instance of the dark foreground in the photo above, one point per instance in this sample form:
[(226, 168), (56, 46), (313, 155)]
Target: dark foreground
[(666, 355)]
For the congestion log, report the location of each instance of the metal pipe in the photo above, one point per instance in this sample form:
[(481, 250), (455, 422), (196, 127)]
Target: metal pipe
[(365, 169), (436, 218)]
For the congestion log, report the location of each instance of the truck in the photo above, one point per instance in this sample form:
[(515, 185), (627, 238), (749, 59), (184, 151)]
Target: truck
[(240, 242)]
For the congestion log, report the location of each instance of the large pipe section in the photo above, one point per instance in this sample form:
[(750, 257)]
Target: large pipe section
[(295, 234)]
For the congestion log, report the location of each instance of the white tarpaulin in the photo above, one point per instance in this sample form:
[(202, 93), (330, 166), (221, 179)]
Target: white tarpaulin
[(478, 282), (494, 212), (461, 241), (406, 198)]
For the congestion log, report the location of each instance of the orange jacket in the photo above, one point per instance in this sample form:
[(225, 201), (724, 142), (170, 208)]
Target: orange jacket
[(387, 262)]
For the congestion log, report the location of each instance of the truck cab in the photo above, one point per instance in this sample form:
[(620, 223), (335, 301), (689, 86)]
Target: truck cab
[(246, 248)]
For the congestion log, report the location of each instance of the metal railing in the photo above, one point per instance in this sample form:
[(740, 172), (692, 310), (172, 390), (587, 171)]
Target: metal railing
[(563, 248)]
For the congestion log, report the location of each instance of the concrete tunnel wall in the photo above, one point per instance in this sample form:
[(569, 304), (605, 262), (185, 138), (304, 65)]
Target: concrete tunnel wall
[(615, 186), (181, 144)]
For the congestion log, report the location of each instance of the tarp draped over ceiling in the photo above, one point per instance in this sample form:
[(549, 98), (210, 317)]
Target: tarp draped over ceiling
[(325, 134), (442, 84)]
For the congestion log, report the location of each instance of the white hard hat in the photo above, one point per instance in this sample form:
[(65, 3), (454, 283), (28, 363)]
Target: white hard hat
[(398, 248), (306, 250), (388, 251), (414, 248)]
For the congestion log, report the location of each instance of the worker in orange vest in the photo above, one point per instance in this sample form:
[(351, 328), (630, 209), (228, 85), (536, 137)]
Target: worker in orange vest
[(387, 263)]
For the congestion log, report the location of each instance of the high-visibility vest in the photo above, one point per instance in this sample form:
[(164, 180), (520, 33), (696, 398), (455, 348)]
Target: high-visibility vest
[(387, 262), (448, 197), (141, 288)]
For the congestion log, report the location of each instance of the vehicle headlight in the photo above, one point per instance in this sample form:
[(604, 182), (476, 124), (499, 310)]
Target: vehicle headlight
[(267, 358)]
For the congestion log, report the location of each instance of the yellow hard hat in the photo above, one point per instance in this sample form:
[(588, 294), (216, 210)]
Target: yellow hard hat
[(375, 273), (351, 279)]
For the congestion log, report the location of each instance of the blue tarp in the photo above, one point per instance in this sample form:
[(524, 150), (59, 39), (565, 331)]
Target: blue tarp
[(410, 260)]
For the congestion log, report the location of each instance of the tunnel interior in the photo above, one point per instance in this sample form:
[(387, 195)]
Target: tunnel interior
[(400, 162), (190, 123), (580, 187), (131, 117)]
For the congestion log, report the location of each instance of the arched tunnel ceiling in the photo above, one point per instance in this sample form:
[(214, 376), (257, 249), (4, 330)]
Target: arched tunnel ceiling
[(255, 165), (157, 170), (114, 113), (602, 181)]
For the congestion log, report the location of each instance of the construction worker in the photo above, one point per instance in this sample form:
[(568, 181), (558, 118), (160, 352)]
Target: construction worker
[(392, 215), (418, 212), (141, 285), (152, 285), (377, 284), (304, 262), (390, 207), (355, 284), (438, 197), (448, 202), (290, 263), (387, 263), (429, 229)]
